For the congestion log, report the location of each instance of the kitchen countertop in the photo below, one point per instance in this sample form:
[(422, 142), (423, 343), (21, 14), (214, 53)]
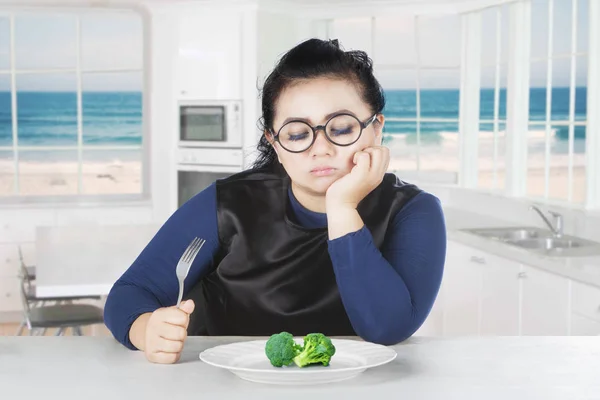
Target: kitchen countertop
[(426, 368), (584, 269)]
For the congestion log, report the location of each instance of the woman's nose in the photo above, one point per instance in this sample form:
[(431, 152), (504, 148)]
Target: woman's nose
[(321, 144)]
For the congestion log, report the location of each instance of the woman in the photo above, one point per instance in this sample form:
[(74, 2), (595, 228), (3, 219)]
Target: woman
[(316, 237)]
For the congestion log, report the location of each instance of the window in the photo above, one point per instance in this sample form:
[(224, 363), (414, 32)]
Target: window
[(71, 104), (417, 61), (558, 96)]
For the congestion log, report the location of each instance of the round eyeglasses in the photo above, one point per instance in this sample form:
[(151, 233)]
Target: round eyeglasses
[(342, 130)]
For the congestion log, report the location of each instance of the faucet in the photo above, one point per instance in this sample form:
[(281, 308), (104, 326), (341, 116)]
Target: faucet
[(558, 218)]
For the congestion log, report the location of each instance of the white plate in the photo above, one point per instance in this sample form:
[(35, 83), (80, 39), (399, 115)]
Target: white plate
[(248, 361)]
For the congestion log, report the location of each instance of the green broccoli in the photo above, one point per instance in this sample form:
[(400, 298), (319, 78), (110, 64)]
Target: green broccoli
[(281, 349), (317, 349)]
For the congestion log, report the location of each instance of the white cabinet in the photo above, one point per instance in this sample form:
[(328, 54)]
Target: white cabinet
[(582, 326), (10, 300), (499, 296), (586, 300), (481, 293), (209, 60), (10, 294), (433, 325), (545, 303), (484, 294), (462, 286), (9, 260), (585, 310)]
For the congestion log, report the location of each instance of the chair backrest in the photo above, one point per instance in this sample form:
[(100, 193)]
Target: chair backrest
[(23, 273), (25, 286)]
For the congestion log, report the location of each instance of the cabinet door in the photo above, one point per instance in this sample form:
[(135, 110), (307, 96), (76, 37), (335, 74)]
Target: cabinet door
[(433, 325), (461, 294), (481, 293), (585, 300), (545, 304), (582, 326), (10, 294), (499, 296), (9, 260)]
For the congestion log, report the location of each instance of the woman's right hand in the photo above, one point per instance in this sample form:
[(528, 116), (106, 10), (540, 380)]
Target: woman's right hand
[(165, 332)]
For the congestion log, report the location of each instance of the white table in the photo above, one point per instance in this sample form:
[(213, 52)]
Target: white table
[(86, 260), (426, 368)]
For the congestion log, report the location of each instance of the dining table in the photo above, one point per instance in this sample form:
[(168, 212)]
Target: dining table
[(501, 367)]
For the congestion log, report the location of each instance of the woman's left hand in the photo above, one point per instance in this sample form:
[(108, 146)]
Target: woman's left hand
[(370, 166)]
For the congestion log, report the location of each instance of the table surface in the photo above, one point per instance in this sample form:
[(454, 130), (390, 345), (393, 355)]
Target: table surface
[(426, 368)]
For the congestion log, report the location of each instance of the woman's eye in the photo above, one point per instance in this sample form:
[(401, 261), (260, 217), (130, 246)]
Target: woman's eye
[(341, 131), (296, 137)]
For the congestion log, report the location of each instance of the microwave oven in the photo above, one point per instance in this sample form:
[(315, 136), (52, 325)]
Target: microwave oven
[(216, 123)]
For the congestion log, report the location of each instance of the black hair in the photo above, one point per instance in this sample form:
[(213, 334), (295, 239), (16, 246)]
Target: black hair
[(315, 58)]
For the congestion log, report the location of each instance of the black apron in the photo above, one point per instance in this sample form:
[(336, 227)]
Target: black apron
[(271, 274)]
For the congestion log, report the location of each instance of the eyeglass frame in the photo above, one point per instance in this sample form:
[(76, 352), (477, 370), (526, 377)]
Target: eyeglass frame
[(315, 129)]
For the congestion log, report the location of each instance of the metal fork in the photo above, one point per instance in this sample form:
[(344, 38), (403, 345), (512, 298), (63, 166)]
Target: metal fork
[(185, 262)]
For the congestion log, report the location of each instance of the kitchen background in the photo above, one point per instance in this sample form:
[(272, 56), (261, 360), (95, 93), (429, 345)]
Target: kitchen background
[(486, 107)]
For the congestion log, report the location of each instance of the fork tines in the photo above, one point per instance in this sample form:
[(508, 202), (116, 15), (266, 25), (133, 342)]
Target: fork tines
[(192, 249)]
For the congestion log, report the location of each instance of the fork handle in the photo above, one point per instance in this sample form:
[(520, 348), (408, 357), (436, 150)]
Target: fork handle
[(180, 293)]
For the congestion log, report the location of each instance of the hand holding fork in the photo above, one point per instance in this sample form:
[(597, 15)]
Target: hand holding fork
[(165, 329)]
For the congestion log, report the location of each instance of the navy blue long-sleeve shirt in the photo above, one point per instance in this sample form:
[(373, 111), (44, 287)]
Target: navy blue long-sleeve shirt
[(387, 294)]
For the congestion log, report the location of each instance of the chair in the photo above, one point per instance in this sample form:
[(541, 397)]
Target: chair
[(36, 315), (61, 316)]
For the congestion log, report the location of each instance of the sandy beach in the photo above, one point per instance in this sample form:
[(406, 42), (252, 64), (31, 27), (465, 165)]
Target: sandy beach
[(60, 178), (439, 155)]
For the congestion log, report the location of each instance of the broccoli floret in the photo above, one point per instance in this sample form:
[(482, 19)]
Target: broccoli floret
[(317, 349), (281, 349)]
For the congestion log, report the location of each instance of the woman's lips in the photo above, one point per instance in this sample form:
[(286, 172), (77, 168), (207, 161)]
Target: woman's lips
[(322, 171)]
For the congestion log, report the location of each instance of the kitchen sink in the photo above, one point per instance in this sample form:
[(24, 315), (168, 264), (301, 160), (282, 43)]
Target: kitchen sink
[(512, 233), (540, 240), (547, 243)]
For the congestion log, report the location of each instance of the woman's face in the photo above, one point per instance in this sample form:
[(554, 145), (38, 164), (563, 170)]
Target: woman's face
[(315, 101)]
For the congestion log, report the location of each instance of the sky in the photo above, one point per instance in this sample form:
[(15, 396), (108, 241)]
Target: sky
[(49, 41), (440, 39), (115, 41)]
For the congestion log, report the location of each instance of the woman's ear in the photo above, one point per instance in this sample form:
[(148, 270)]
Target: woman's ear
[(378, 126), (269, 137), (271, 140)]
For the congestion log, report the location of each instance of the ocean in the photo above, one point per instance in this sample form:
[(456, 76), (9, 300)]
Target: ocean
[(111, 118), (50, 119)]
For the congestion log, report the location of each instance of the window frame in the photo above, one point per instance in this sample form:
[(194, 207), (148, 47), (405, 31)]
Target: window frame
[(517, 86), (443, 177), (79, 198), (548, 123)]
